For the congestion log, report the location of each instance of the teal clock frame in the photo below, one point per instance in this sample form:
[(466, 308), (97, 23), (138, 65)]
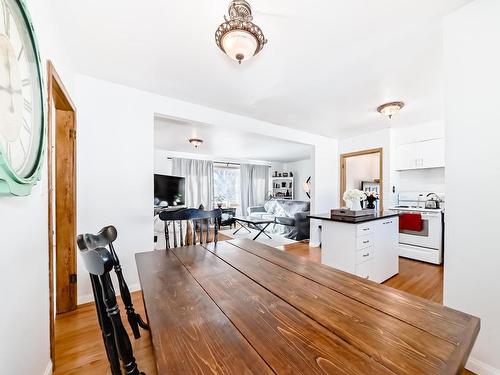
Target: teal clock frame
[(10, 183)]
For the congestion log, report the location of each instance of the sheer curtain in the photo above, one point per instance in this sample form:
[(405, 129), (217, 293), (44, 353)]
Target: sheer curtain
[(199, 181), (254, 185)]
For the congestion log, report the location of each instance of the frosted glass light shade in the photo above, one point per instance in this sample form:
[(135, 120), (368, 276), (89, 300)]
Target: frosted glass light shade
[(239, 45)]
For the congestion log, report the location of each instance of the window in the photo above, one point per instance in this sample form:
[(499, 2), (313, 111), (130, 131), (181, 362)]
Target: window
[(227, 185)]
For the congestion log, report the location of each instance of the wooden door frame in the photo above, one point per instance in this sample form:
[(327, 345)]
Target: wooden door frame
[(58, 98), (344, 157)]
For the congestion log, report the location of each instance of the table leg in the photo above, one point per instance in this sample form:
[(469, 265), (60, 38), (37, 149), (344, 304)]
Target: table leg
[(241, 226), (262, 231)]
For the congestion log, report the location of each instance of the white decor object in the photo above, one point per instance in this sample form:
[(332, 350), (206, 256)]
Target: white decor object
[(353, 198)]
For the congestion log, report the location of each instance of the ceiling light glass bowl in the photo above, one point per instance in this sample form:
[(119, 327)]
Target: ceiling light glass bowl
[(239, 37), (390, 109)]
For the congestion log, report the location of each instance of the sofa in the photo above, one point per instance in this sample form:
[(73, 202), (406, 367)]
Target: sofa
[(290, 217)]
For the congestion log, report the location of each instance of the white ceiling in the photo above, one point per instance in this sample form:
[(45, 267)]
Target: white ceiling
[(224, 143), (327, 66)]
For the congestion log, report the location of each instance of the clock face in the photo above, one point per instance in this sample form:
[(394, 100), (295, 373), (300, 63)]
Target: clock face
[(21, 121)]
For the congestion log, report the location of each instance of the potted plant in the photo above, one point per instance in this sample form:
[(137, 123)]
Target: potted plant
[(220, 199), (353, 198), (371, 197)]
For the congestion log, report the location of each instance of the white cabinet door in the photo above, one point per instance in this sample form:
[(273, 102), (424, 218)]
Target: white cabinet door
[(432, 153), (386, 259), (418, 155), (408, 156)]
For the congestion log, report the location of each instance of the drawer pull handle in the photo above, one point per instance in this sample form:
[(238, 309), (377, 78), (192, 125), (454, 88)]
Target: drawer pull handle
[(366, 241), (365, 229), (366, 255)]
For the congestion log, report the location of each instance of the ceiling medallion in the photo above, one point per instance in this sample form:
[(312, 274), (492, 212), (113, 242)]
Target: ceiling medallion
[(196, 142), (390, 109), (239, 37)]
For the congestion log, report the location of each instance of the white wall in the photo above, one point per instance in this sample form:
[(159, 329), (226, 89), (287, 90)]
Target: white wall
[(24, 346), (301, 170), (420, 132), (115, 165), (431, 179), (162, 164), (472, 256), (116, 160), (382, 138)]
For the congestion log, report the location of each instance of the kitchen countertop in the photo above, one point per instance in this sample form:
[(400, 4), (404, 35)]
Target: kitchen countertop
[(354, 219)]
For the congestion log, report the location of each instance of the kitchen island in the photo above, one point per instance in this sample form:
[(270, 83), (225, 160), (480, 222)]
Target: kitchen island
[(365, 246)]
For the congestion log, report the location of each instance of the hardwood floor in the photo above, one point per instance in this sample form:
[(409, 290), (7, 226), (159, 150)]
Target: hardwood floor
[(418, 278), (79, 349), (78, 343)]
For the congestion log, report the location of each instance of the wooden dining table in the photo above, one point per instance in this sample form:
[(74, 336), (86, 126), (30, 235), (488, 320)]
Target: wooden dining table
[(241, 307)]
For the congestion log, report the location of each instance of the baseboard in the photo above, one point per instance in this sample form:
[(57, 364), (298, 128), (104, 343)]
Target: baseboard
[(86, 298), (481, 368), (48, 370)]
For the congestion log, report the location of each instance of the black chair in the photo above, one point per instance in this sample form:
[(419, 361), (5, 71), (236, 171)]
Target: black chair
[(227, 218), (105, 238), (198, 219), (99, 263)]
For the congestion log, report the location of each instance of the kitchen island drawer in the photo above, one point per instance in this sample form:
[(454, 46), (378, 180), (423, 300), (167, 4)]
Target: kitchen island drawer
[(364, 255), (364, 242), (364, 229)]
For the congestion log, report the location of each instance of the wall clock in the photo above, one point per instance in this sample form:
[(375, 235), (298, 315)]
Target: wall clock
[(22, 122)]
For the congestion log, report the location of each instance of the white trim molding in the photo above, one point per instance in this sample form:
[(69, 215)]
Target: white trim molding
[(481, 368), (48, 370)]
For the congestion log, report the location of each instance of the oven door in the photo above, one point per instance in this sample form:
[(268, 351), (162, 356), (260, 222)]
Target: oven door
[(430, 236)]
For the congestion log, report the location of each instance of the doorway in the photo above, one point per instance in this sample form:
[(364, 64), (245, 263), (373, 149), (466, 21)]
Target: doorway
[(363, 170), (61, 155)]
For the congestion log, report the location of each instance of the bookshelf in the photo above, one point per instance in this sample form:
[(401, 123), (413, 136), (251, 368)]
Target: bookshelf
[(283, 187)]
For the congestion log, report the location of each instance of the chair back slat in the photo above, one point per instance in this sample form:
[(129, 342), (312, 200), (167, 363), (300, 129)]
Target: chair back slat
[(193, 224), (175, 233), (216, 230), (199, 220), (181, 232)]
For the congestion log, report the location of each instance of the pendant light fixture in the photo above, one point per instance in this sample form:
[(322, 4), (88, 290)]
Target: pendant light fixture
[(390, 109), (196, 142), (238, 37)]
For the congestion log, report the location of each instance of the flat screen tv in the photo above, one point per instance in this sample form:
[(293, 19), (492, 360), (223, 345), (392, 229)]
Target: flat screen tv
[(169, 189)]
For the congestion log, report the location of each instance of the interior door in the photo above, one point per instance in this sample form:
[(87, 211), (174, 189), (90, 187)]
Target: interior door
[(65, 199)]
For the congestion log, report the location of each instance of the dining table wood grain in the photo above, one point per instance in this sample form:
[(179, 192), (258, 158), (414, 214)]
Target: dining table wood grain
[(241, 307)]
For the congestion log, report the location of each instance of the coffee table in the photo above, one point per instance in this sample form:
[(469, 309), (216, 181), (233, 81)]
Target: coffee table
[(259, 224)]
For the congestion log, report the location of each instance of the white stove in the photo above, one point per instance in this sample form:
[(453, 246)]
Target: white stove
[(425, 245)]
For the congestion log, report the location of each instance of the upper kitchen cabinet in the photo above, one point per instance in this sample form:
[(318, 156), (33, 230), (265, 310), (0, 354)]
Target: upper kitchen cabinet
[(420, 155)]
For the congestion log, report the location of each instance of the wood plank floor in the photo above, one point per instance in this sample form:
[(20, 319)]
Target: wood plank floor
[(79, 348)]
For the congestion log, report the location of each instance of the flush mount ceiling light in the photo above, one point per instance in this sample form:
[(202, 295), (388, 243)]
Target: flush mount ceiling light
[(196, 142), (390, 109), (239, 37)]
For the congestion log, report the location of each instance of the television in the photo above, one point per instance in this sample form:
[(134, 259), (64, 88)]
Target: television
[(169, 190)]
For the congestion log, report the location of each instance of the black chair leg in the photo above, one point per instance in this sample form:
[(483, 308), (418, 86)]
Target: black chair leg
[(133, 318), (121, 338), (106, 328)]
